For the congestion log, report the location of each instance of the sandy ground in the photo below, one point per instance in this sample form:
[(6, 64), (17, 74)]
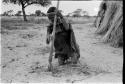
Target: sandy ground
[(25, 58)]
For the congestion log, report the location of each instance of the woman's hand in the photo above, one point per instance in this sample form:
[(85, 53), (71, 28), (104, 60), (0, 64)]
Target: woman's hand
[(49, 38)]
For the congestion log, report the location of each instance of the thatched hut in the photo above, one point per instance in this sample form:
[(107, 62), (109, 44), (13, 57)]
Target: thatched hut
[(109, 22)]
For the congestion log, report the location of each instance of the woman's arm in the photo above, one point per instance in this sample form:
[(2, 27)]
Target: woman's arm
[(49, 32), (50, 29)]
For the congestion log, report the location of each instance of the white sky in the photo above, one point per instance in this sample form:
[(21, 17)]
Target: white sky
[(67, 7)]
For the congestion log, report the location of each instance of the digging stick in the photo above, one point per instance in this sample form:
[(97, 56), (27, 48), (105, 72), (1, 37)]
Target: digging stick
[(50, 67)]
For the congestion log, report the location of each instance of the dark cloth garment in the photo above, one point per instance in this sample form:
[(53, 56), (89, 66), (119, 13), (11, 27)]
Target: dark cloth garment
[(64, 42)]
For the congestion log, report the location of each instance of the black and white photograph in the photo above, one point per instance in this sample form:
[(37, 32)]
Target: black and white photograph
[(61, 41)]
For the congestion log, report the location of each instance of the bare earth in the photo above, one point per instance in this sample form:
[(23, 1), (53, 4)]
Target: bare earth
[(25, 57)]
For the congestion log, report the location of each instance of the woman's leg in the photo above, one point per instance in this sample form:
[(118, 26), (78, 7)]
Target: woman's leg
[(74, 58), (61, 60)]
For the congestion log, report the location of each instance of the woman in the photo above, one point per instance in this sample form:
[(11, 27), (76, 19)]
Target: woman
[(64, 42)]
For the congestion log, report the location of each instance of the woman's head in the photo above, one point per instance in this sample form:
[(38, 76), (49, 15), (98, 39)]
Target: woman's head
[(51, 13), (51, 9)]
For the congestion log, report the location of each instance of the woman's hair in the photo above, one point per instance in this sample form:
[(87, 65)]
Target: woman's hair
[(51, 9)]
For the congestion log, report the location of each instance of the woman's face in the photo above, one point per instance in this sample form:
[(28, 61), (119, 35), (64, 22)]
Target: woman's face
[(51, 17)]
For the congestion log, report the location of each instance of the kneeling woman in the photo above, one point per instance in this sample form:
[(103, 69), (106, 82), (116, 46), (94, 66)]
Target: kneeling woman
[(66, 48)]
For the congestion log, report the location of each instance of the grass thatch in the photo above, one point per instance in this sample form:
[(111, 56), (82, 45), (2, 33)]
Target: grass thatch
[(109, 22)]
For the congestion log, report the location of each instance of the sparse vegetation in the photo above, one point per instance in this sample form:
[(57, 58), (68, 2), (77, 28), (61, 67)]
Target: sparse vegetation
[(8, 13), (25, 3), (25, 53), (18, 13), (38, 12)]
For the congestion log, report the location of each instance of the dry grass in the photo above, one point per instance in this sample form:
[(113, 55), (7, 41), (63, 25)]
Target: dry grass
[(17, 23), (110, 23), (81, 20)]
